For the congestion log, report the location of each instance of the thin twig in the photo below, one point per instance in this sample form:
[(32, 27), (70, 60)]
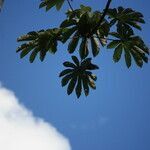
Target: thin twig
[(70, 5), (103, 15)]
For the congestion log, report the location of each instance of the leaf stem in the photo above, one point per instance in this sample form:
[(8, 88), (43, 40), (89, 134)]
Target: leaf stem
[(70, 5), (103, 15)]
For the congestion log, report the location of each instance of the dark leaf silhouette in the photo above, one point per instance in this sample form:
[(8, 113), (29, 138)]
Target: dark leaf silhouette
[(39, 42), (86, 31), (133, 46), (48, 4), (79, 75), (126, 17)]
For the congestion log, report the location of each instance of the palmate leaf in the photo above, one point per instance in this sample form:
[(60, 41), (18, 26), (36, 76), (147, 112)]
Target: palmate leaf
[(39, 42), (125, 17), (78, 76), (48, 4), (79, 25), (133, 47)]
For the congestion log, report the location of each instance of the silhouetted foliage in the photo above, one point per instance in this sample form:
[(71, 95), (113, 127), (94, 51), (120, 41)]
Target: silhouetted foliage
[(89, 30)]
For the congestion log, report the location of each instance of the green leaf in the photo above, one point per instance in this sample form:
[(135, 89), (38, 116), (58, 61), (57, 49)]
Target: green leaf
[(42, 54), (45, 40), (137, 58), (144, 57), (113, 44), (67, 33), (102, 40), (94, 77), (48, 4), (79, 76), (71, 85), (135, 25), (85, 8), (86, 62), (117, 53), (53, 47), (79, 87), (59, 4), (66, 79), (131, 44), (91, 83), (84, 48), (33, 33), (76, 61), (42, 4), (25, 38), (67, 23), (115, 34), (83, 25), (85, 86), (69, 64), (73, 43), (126, 17), (34, 54), (127, 58), (66, 71), (88, 65), (104, 28), (95, 46), (92, 67), (25, 51), (23, 46)]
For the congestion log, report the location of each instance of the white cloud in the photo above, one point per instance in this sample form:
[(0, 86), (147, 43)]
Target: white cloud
[(20, 130)]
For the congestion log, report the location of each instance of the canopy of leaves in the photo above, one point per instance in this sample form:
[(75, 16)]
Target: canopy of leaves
[(86, 31)]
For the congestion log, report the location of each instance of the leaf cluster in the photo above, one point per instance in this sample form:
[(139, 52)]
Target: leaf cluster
[(78, 76), (86, 31)]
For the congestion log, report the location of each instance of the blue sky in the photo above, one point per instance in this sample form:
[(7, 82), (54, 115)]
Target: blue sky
[(114, 117)]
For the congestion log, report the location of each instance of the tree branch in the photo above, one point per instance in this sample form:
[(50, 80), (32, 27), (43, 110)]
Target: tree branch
[(70, 5), (103, 15)]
